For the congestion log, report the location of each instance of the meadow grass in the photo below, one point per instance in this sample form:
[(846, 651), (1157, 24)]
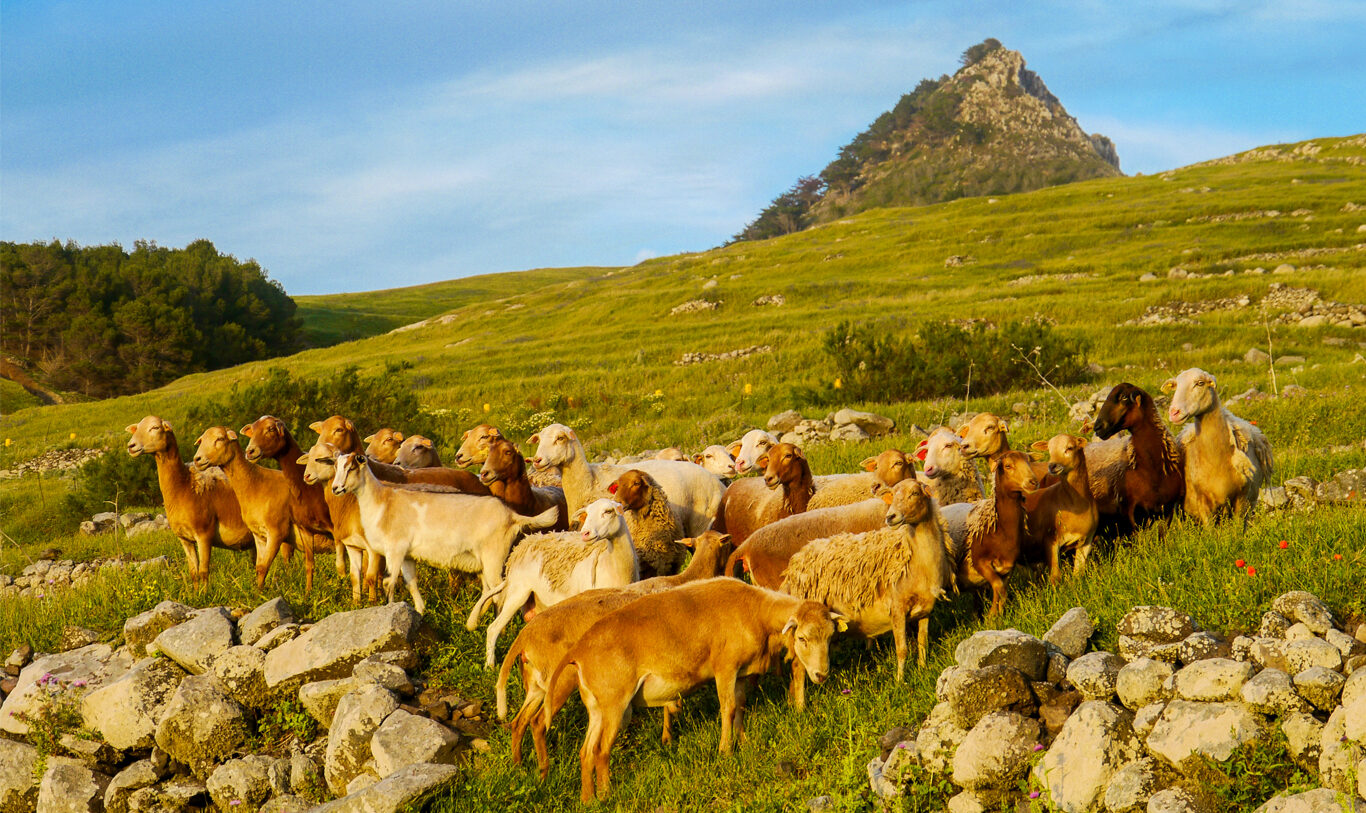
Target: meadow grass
[(593, 347)]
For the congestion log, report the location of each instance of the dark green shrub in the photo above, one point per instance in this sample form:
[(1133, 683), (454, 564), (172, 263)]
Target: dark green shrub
[(874, 363), (114, 480)]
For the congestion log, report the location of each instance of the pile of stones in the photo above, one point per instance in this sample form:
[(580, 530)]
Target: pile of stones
[(847, 425)]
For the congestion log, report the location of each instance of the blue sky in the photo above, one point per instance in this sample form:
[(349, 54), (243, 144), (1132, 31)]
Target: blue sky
[(353, 146)]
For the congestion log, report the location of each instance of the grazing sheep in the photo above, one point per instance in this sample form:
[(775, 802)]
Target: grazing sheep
[(384, 445), (880, 579), (987, 535), (1062, 516), (552, 567), (442, 528), (549, 634), (734, 631), (269, 437), (417, 452), (1155, 479), (504, 472), (655, 529), (262, 494), (1227, 458), (948, 471), (718, 461), (887, 468), (200, 505), (694, 493), (750, 504), (748, 449), (474, 444), (765, 554)]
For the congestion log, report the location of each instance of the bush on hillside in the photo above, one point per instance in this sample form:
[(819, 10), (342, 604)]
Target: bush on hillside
[(114, 481), (943, 360)]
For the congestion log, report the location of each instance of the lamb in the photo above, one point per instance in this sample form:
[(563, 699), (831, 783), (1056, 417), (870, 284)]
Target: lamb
[(552, 567), (1155, 479), (887, 468), (549, 634), (417, 452), (694, 493), (785, 489), (200, 505), (445, 529), (654, 527), (718, 461), (735, 631), (986, 436), (320, 466), (987, 534), (474, 444), (1227, 458), (766, 553), (1062, 516), (262, 494), (748, 449), (948, 471), (384, 445), (269, 437), (880, 579), (504, 473)]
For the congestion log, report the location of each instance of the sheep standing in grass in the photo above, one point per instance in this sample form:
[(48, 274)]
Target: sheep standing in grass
[(948, 471), (880, 579), (884, 469), (552, 567), (654, 527), (1227, 458), (987, 535)]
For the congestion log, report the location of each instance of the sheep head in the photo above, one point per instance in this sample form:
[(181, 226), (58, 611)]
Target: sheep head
[(216, 447), (556, 445), (601, 519), (1193, 394), (349, 474), (268, 437), (339, 432), (1013, 473), (320, 463), (717, 460), (984, 436), (631, 490), (502, 461), (151, 434), (807, 636), (383, 445), (747, 450), (474, 444), (908, 503), (891, 466), (943, 451), (1123, 409)]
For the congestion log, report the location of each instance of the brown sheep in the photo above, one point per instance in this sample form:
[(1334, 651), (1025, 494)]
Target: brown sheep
[(887, 468), (1154, 480), (734, 631), (655, 528), (1062, 516), (785, 489), (474, 445), (200, 505), (547, 636), (263, 494), (504, 473), (383, 446), (341, 433), (987, 535)]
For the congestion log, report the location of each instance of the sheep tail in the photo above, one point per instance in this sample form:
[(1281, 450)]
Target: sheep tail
[(540, 522), (505, 671), (558, 691)]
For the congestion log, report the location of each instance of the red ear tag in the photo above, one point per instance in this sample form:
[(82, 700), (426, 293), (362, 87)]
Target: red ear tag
[(612, 489), (920, 454)]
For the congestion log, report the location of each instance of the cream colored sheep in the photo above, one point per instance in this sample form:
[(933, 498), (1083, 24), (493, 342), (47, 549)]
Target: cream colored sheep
[(1227, 458), (948, 470), (654, 527), (885, 469)]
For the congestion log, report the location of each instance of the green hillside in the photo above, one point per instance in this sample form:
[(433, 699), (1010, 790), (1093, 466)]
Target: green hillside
[(332, 318), (596, 349)]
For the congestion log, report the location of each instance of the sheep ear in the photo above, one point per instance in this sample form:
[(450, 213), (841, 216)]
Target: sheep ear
[(724, 539), (1039, 445), (841, 623), (887, 496), (963, 431), (466, 436), (869, 464), (534, 440), (1212, 381), (762, 462), (790, 626), (350, 427), (734, 448), (570, 433), (688, 542), (797, 450), (232, 435), (131, 428), (246, 430), (398, 436), (1169, 385), (697, 458), (1035, 454), (303, 460), (200, 439), (1081, 441), (877, 488), (619, 508), (316, 426), (495, 432), (368, 439)]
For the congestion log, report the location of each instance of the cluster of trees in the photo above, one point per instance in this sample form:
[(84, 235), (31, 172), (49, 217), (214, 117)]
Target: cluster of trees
[(923, 114), (104, 321)]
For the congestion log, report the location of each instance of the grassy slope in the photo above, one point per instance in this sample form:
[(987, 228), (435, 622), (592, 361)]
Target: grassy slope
[(612, 356), (333, 318)]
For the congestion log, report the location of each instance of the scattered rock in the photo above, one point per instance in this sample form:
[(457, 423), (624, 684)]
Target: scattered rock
[(1071, 631), (358, 716), (201, 726), (1096, 741), (973, 693), (1214, 679), (140, 774), (263, 619), (996, 751), (335, 644), (195, 642), (405, 739), (93, 666), (403, 790), (1212, 730), (125, 711), (69, 787), (18, 785), (694, 306), (1271, 692), (1143, 681), (1010, 647), (1095, 674), (1320, 686), (244, 782), (142, 629)]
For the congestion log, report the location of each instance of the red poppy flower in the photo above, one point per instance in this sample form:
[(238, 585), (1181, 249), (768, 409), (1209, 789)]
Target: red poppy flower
[(1239, 563)]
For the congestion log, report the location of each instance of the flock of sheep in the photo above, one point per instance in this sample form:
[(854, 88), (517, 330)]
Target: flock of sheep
[(868, 551)]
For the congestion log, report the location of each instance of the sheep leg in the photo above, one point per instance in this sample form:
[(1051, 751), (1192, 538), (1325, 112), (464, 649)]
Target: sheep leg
[(922, 642), (372, 567), (588, 750), (725, 692), (670, 708), (511, 605), (485, 597), (396, 556), (341, 558), (191, 560), (899, 638), (612, 724), (357, 559), (1079, 562), (998, 589), (1054, 567), (266, 549), (796, 690), (409, 569)]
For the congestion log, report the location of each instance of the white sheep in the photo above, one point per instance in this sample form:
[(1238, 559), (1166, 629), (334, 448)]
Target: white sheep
[(1227, 458), (881, 578), (753, 445), (694, 493), (948, 471), (717, 460), (442, 528), (550, 568)]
